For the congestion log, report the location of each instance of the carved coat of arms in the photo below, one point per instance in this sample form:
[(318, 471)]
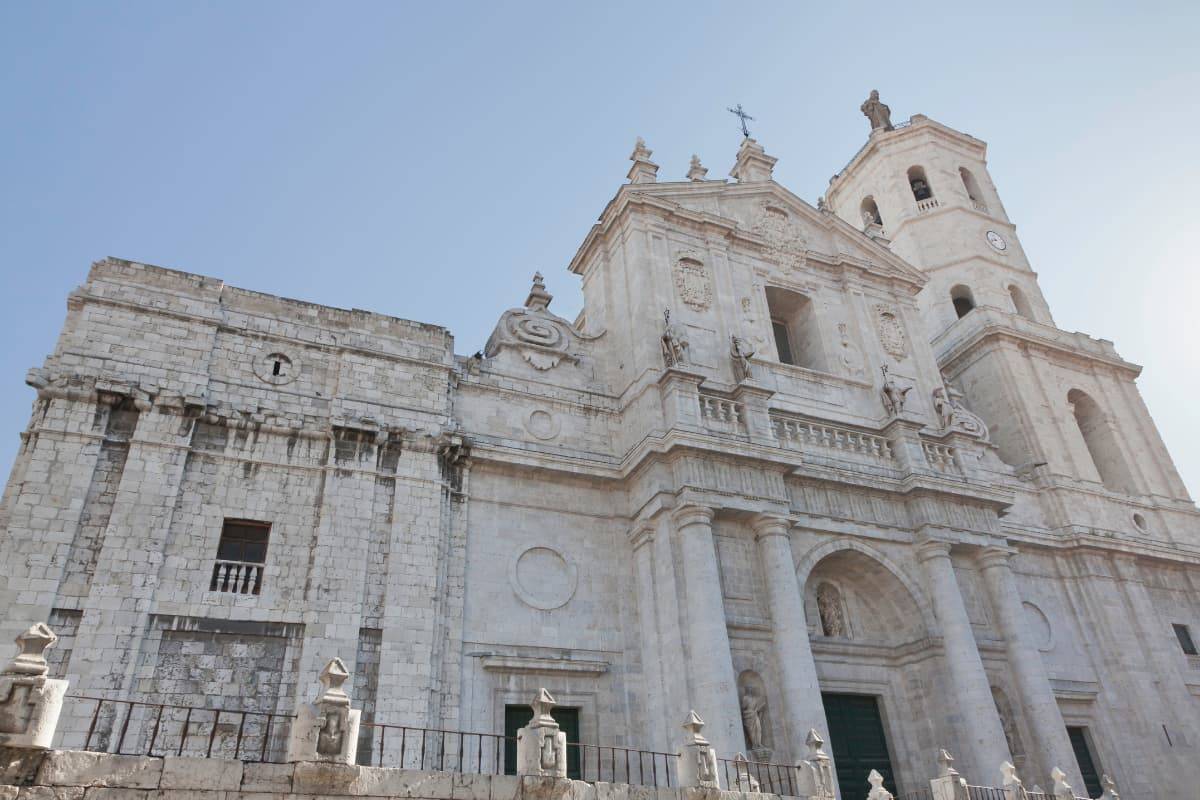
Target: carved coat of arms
[(891, 332), (786, 245), (693, 283)]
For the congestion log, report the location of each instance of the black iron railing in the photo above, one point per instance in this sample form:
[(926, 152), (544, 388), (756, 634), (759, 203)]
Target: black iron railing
[(625, 765), (443, 750), (771, 778), (132, 727)]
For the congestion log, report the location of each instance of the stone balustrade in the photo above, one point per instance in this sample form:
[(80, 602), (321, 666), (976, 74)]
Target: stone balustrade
[(722, 414), (942, 457), (927, 205), (799, 433)]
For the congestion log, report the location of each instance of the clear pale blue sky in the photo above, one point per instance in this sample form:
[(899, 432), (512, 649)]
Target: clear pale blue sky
[(422, 159)]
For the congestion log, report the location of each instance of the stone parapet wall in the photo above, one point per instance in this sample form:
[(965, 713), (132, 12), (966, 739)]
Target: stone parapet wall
[(78, 775)]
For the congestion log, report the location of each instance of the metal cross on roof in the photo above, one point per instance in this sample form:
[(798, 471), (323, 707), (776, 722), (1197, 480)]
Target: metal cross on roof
[(742, 116)]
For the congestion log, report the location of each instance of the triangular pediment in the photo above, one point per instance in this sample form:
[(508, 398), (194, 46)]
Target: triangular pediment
[(766, 215)]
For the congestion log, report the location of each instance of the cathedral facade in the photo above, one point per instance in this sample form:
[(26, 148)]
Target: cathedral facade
[(792, 467)]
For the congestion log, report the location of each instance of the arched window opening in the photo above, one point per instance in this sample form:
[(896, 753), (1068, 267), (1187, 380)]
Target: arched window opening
[(919, 184), (794, 325), (1020, 302), (1101, 442), (970, 184), (870, 212), (964, 301)]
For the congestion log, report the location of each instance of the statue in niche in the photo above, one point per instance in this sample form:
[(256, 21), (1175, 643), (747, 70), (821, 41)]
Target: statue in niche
[(829, 607), (674, 342), (875, 110), (754, 707), (741, 351), (851, 358), (1009, 723)]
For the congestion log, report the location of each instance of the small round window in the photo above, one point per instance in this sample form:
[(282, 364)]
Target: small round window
[(1139, 522), (276, 368)]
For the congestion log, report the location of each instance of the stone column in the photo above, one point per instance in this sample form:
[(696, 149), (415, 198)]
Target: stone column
[(970, 710), (713, 683), (1051, 745), (641, 539), (803, 710)]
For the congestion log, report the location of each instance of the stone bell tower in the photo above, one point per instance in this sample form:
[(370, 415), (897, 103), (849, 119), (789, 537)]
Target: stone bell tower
[(1062, 407), (925, 188), (1060, 403)]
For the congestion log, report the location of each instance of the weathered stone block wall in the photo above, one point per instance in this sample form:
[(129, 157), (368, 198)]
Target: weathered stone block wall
[(74, 775)]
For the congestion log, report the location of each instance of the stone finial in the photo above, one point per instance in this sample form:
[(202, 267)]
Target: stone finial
[(327, 728), (753, 164), (541, 746), (693, 725), (815, 773), (542, 705), (643, 170), (696, 171), (31, 651), (538, 299), (947, 785), (332, 677), (877, 791), (1110, 789), (1062, 790), (30, 702), (743, 780), (697, 759), (1008, 776)]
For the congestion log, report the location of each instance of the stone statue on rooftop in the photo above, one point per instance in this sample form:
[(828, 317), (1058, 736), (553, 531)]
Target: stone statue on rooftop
[(876, 111)]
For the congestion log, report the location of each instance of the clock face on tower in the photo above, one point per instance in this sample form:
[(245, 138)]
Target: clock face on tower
[(997, 241)]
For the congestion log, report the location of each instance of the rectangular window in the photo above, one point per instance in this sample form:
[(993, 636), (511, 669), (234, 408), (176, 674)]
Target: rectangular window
[(783, 342), (1184, 635), (796, 330), (241, 553), (1088, 768)]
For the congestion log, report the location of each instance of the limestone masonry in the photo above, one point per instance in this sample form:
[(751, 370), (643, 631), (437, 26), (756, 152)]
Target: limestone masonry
[(792, 468)]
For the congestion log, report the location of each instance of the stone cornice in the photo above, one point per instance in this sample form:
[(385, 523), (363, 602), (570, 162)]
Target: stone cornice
[(220, 323), (963, 337)]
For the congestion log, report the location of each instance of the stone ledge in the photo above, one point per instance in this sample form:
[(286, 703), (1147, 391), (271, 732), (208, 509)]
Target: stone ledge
[(182, 772), (267, 777), (78, 768), (78, 775)]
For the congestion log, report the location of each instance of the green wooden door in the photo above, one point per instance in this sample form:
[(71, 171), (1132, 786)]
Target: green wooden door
[(858, 742), (1087, 765), (517, 717)]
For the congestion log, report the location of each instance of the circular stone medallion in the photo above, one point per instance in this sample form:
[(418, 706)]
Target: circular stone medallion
[(543, 578), (542, 424)]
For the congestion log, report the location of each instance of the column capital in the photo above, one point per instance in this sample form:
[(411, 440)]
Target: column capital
[(933, 548), (995, 556), (770, 525), (693, 515)]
